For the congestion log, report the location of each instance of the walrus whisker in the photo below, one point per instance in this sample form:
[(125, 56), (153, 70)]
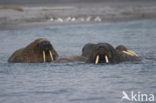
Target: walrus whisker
[(106, 58), (44, 57), (97, 59), (51, 56)]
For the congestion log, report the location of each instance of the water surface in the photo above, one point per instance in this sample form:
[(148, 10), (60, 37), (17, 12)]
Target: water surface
[(78, 82)]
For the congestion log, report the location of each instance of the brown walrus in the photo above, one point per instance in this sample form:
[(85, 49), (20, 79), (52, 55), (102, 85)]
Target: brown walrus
[(105, 53), (40, 50)]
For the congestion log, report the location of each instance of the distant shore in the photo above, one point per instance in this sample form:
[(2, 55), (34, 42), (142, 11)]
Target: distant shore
[(16, 17)]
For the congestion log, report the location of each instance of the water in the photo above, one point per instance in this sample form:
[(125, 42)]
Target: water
[(78, 82)]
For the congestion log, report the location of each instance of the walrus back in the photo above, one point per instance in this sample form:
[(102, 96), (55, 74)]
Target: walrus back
[(16, 56)]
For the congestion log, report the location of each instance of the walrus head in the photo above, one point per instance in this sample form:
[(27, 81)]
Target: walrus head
[(123, 49), (99, 53), (46, 50), (40, 50)]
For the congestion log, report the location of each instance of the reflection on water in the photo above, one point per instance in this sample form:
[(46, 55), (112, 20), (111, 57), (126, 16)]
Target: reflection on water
[(78, 82)]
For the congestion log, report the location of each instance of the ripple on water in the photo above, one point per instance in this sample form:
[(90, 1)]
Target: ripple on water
[(78, 82)]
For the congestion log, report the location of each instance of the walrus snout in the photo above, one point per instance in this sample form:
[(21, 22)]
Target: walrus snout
[(46, 49), (98, 53), (45, 46), (101, 56)]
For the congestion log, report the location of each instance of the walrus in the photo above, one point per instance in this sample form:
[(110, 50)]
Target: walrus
[(123, 49), (106, 53), (40, 50)]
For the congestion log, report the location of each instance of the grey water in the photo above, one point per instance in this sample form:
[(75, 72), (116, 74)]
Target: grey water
[(79, 82)]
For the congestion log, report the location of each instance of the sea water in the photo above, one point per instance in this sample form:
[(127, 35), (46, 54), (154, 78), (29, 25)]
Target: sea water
[(79, 82)]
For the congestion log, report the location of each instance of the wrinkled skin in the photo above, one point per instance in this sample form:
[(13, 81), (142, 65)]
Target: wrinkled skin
[(105, 53), (40, 50)]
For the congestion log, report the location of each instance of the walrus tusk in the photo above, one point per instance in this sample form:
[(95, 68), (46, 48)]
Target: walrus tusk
[(44, 58), (51, 56), (97, 59), (129, 53), (106, 58)]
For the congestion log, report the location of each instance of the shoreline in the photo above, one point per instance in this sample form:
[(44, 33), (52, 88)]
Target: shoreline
[(12, 17)]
